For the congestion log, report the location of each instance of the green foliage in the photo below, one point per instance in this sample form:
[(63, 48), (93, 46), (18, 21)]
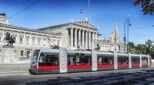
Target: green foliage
[(141, 48), (132, 48), (146, 5), (147, 48)]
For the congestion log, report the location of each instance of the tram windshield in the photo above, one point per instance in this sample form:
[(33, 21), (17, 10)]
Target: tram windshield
[(35, 55), (47, 59)]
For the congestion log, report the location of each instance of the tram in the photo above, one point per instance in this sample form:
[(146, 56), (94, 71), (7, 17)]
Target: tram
[(62, 61)]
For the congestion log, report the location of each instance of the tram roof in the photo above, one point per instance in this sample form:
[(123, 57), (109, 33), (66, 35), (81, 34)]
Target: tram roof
[(49, 50), (88, 52)]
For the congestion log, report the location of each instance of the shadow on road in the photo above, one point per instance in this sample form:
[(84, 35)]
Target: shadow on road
[(146, 77)]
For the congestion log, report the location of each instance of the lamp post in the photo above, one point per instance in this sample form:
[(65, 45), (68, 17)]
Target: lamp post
[(127, 25)]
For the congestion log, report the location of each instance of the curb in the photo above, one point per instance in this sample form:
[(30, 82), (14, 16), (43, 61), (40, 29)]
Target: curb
[(12, 72)]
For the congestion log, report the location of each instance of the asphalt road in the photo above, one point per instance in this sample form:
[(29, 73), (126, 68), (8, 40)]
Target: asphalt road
[(144, 76)]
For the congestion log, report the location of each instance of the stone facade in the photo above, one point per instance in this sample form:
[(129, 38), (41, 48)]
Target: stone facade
[(27, 40), (74, 35), (113, 43)]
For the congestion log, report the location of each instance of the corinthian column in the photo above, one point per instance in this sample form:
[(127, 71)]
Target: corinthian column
[(71, 37), (75, 37), (79, 39), (83, 39), (86, 44), (89, 40), (92, 34)]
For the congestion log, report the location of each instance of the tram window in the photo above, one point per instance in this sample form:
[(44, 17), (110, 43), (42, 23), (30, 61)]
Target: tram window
[(105, 60), (49, 60), (144, 60), (135, 60), (41, 58), (122, 60), (79, 60), (35, 55)]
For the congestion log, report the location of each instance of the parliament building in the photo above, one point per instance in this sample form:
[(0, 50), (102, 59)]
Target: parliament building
[(80, 35)]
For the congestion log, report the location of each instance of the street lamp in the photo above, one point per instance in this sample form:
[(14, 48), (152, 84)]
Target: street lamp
[(127, 25)]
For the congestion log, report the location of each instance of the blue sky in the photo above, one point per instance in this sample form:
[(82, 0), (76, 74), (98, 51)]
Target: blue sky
[(104, 15)]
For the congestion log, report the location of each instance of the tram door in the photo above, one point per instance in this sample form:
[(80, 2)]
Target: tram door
[(123, 62), (144, 62), (105, 62), (135, 62), (79, 62)]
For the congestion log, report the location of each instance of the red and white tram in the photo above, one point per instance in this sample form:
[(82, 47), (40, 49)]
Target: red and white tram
[(63, 60)]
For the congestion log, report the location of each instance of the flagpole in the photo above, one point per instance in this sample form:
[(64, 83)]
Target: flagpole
[(89, 23), (89, 11)]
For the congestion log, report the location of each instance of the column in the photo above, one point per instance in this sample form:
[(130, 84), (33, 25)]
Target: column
[(130, 60), (36, 40), (89, 40), (17, 38), (115, 60), (75, 41), (30, 39), (24, 39), (86, 44), (3, 36), (79, 38), (83, 39), (71, 38), (140, 57), (41, 40), (94, 38)]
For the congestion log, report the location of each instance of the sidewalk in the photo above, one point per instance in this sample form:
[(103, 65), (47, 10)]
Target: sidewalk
[(14, 68)]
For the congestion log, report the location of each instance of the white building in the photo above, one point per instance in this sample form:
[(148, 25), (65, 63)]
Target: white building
[(73, 35)]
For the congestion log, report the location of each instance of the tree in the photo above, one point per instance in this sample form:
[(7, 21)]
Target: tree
[(146, 5), (141, 48), (131, 44), (152, 52), (148, 46), (131, 47)]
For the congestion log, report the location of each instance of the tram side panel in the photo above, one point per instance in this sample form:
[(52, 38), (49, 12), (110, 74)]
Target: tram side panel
[(79, 62), (94, 60), (63, 60)]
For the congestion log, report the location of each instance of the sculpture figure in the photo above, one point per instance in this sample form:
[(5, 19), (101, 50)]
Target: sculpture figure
[(10, 39)]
